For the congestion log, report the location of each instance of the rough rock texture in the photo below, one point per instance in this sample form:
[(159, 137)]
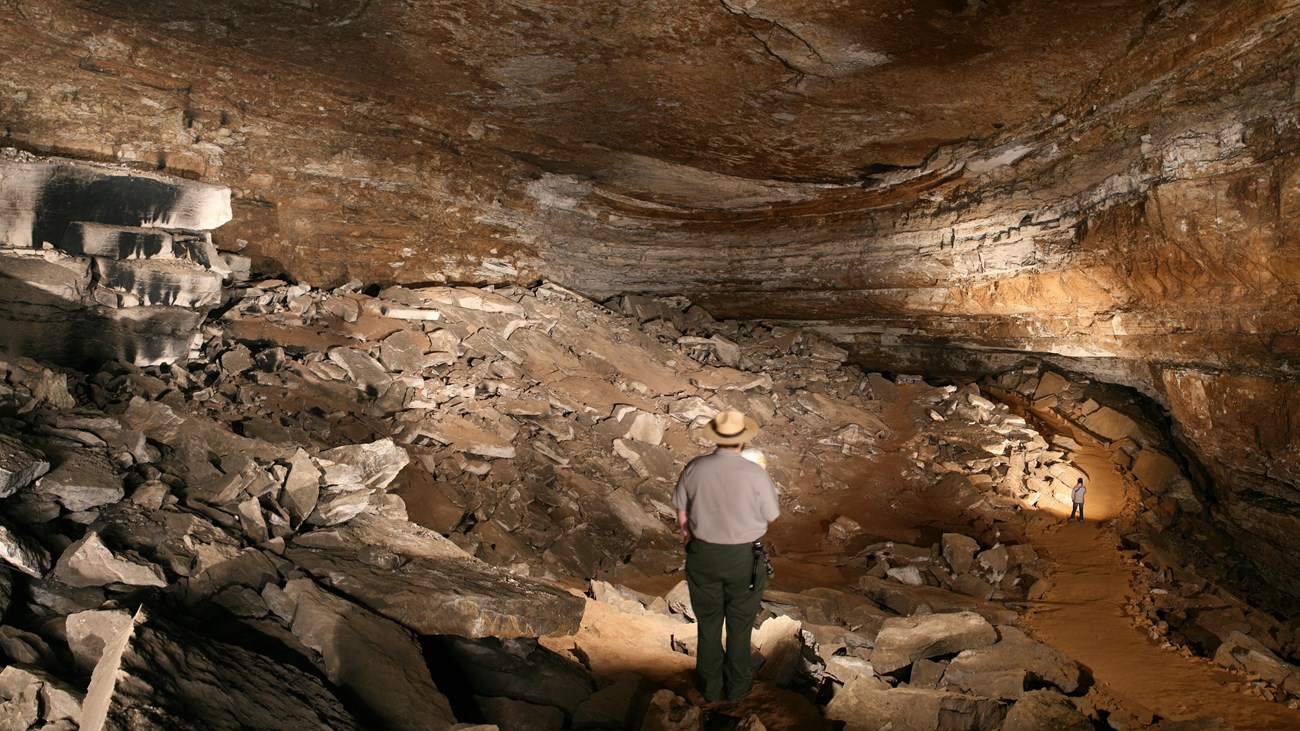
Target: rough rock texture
[(942, 186)]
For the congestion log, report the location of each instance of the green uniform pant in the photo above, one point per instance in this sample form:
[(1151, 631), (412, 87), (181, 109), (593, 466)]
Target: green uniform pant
[(718, 577)]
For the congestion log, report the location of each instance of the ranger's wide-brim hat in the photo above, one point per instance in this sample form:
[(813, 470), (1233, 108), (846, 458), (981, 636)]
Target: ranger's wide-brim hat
[(731, 427)]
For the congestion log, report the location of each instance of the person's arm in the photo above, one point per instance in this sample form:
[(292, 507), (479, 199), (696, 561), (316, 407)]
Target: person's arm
[(683, 522)]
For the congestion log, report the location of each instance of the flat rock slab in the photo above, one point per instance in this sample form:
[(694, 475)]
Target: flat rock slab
[(83, 479), (1008, 668), (904, 640), (521, 670), (148, 282), (375, 658), (867, 704), (447, 596)]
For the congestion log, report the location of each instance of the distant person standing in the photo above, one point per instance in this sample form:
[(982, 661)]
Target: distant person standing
[(724, 503), (1076, 497)]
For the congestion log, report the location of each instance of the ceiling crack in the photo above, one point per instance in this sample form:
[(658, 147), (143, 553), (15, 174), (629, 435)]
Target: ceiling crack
[(775, 26)]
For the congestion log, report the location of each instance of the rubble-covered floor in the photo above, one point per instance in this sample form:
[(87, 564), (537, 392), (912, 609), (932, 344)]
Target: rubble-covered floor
[(441, 507)]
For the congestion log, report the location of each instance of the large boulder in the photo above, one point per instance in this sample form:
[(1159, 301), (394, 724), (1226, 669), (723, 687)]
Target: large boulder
[(1010, 667), (445, 596), (1038, 710), (867, 704), (375, 659), (520, 669), (903, 640)]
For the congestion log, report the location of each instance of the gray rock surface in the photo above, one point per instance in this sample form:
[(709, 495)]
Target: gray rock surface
[(867, 704), (20, 465), (162, 676), (447, 596), (377, 660), (521, 670), (1010, 667), (904, 640), (1045, 709)]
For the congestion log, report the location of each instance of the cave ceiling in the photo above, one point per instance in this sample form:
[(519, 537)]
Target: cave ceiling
[(792, 90)]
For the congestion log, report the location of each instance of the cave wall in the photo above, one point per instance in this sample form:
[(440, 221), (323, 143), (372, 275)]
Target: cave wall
[(1136, 223)]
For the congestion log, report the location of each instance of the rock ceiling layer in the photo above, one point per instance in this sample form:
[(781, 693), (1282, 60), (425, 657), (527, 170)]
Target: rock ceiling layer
[(941, 185)]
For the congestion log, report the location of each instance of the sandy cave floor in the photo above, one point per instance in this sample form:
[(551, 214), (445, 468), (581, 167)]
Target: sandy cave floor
[(1134, 679)]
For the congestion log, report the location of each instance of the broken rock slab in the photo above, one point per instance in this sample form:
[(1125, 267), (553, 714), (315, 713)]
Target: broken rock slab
[(88, 562), (868, 704), (903, 640), (921, 600), (376, 659), (20, 465), (22, 552), (446, 596), (377, 462), (58, 700), (1037, 710), (82, 480), (520, 669), (1011, 667)]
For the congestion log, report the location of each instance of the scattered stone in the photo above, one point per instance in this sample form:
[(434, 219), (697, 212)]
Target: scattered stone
[(88, 562)]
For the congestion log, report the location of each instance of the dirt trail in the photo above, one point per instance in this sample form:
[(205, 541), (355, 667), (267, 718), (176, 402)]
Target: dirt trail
[(1083, 617)]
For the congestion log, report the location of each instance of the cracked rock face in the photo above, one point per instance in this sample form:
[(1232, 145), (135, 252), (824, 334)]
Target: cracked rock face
[(940, 186)]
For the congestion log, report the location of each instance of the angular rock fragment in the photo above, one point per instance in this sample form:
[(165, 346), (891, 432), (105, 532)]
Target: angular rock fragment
[(403, 352), (20, 465), (82, 480), (919, 600), (374, 658), (366, 373), (867, 704), (447, 596), (1045, 709), (377, 462), (158, 676), (23, 553), (1011, 667), (906, 639), (88, 562), (959, 551), (90, 632), (301, 487), (460, 434), (520, 669), (1240, 651), (58, 700)]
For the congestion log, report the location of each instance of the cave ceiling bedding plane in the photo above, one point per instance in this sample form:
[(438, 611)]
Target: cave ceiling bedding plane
[(344, 334)]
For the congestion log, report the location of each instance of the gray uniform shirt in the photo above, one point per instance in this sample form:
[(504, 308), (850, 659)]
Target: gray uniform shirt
[(1077, 493), (727, 498)]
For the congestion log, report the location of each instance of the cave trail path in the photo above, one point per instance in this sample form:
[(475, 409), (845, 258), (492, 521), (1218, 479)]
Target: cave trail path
[(1083, 616)]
